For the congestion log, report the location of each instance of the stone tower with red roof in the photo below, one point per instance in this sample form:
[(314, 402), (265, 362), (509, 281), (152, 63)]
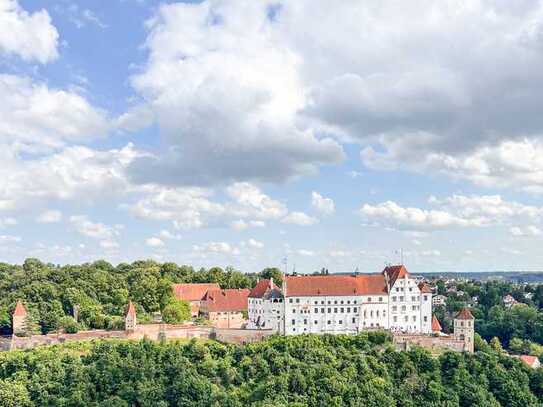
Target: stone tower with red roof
[(19, 323), (130, 320), (464, 329)]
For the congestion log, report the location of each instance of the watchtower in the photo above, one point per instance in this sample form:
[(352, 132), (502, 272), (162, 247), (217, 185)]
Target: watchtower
[(464, 329), (130, 320), (19, 319)]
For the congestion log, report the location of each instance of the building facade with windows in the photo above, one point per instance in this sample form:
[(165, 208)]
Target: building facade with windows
[(338, 304)]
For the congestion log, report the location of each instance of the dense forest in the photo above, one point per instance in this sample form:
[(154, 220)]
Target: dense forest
[(100, 291), (325, 371)]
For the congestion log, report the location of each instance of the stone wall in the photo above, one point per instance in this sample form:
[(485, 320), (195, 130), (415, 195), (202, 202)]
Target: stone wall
[(432, 343)]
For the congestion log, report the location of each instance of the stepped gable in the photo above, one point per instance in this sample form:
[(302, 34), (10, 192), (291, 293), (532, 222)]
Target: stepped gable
[(330, 285), (193, 292), (261, 287), (395, 272), (226, 300), (464, 314)]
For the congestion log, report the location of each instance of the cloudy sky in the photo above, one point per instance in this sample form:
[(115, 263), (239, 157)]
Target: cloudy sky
[(240, 132)]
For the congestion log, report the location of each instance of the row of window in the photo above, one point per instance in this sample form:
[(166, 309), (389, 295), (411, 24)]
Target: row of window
[(329, 322)]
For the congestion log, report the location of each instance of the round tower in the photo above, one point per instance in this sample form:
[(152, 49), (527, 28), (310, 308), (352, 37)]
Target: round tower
[(464, 329)]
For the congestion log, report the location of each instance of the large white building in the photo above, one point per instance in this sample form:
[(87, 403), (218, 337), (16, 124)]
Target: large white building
[(337, 304)]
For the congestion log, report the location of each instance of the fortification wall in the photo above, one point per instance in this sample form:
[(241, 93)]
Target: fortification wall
[(437, 343)]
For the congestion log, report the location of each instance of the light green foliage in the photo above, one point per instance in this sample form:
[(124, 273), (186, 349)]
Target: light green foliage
[(176, 312)]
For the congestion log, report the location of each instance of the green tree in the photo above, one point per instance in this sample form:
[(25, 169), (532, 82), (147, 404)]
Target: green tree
[(176, 311)]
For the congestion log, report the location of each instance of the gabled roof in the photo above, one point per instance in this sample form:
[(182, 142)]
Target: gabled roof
[(193, 292), (395, 272), (436, 326), (425, 288), (20, 310), (226, 300), (309, 286), (261, 287), (464, 314), (131, 310)]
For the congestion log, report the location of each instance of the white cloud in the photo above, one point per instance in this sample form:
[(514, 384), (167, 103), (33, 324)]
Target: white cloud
[(105, 234), (29, 35), (67, 175), (526, 231), (49, 216), (454, 211), (391, 214), (34, 117), (4, 222), (226, 119), (9, 239), (255, 244), (299, 218), (166, 234), (305, 252), (216, 247), (324, 205), (252, 202), (154, 242)]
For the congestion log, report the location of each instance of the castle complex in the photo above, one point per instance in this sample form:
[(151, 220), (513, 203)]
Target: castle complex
[(391, 300)]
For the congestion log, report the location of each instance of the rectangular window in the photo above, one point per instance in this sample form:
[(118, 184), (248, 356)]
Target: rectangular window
[(401, 298), (354, 320), (394, 308), (341, 310), (335, 310), (293, 322), (294, 311), (425, 319), (395, 319), (305, 321), (355, 309), (297, 300), (340, 322), (290, 300), (316, 322), (329, 322), (394, 299), (329, 310), (425, 298), (316, 310), (380, 299), (369, 299), (348, 309), (322, 310)]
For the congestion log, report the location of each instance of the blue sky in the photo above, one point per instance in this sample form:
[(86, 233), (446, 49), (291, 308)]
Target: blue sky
[(240, 132)]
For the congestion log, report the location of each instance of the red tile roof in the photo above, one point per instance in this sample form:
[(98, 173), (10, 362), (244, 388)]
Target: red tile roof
[(260, 288), (20, 310), (464, 314), (300, 286), (226, 300), (529, 360), (436, 326), (193, 292), (394, 273), (425, 288), (131, 309)]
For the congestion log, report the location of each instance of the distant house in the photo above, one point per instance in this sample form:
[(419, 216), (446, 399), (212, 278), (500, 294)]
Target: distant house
[(531, 361), (528, 296), (475, 299), (439, 300), (225, 308), (193, 293), (509, 301)]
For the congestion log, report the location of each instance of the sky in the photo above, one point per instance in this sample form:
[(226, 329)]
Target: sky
[(243, 132)]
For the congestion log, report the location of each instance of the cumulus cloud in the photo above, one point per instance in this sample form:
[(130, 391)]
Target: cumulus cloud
[(323, 205), (31, 36), (526, 231), (454, 211), (4, 222), (300, 219), (34, 117), (305, 252), (216, 248), (105, 234), (154, 242), (221, 122), (69, 174), (49, 216)]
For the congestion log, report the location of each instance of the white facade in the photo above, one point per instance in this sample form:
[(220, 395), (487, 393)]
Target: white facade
[(403, 306)]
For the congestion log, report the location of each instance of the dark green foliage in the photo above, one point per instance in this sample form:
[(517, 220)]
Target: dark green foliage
[(176, 311), (300, 371)]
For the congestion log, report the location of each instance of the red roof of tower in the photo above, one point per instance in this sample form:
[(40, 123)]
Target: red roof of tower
[(131, 309), (464, 314), (436, 326), (20, 310), (529, 360), (226, 300), (193, 292)]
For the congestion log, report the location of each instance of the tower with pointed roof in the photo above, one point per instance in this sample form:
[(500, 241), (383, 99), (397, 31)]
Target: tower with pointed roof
[(464, 329), (19, 319), (130, 320)]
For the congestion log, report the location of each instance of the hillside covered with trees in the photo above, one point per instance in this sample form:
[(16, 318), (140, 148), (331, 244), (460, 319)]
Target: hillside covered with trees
[(331, 371)]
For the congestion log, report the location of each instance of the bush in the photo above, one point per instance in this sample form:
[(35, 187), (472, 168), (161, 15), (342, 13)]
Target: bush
[(69, 325), (176, 311)]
